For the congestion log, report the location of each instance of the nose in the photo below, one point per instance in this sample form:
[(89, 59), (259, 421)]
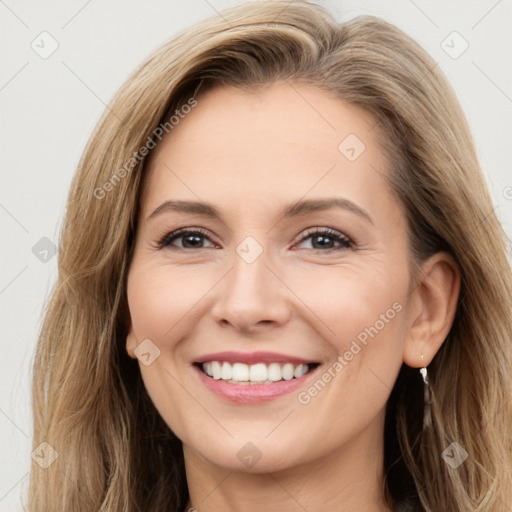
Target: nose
[(252, 297)]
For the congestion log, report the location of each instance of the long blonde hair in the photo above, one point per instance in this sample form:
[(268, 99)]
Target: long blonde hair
[(115, 453)]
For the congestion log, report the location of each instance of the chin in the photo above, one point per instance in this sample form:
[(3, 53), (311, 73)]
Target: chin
[(250, 458)]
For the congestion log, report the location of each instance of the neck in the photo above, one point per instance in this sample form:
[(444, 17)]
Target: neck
[(348, 479)]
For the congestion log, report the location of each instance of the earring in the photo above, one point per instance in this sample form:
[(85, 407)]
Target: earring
[(428, 396)]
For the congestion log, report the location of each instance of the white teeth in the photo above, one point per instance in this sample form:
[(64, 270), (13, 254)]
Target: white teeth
[(260, 373), (240, 372), (287, 371), (226, 371), (274, 372), (216, 370), (207, 367), (300, 370)]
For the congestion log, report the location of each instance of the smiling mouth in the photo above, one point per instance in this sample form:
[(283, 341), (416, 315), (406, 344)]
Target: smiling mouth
[(250, 374)]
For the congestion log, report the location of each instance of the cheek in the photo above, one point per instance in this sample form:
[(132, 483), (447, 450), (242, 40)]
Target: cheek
[(164, 299), (365, 320), (353, 306), (362, 320)]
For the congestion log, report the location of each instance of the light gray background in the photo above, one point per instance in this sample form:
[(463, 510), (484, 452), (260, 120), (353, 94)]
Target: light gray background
[(50, 106)]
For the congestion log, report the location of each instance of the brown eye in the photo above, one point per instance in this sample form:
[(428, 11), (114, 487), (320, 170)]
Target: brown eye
[(191, 239), (325, 239)]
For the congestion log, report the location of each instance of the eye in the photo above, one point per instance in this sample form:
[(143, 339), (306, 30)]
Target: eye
[(321, 239), (191, 239), (324, 240)]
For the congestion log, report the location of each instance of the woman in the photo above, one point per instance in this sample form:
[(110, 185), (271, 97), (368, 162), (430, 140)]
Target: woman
[(281, 284)]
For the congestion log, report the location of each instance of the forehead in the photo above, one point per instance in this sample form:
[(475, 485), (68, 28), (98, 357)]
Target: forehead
[(279, 140)]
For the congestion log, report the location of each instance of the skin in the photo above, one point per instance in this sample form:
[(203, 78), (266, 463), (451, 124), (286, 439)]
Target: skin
[(250, 154)]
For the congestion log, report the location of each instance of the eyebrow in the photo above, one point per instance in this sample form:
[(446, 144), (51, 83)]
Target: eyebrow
[(296, 209)]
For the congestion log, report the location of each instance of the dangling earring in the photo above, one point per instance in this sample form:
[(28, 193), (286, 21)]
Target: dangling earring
[(427, 411)]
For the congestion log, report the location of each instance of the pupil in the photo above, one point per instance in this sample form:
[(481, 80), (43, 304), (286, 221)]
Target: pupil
[(196, 241), (322, 239)]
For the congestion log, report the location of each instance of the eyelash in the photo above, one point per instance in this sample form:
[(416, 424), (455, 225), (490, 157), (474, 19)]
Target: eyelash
[(336, 236)]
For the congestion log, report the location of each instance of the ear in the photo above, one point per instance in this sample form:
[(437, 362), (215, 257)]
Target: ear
[(433, 305), (131, 341)]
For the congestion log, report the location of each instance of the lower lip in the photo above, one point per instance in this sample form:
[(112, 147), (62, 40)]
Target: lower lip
[(251, 393)]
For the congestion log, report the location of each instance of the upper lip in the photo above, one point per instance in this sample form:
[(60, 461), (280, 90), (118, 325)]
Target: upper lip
[(252, 358)]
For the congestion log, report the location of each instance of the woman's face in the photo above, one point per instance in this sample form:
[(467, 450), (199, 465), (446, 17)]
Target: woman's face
[(293, 257)]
